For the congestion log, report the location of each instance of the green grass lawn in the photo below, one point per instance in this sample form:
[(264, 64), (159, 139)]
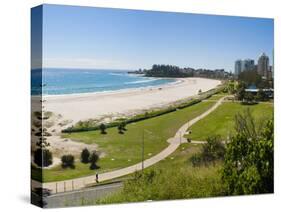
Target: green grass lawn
[(221, 121), (217, 96), (122, 150)]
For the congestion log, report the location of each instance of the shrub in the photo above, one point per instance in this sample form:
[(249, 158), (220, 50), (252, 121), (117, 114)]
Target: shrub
[(85, 156), (196, 160), (248, 164), (121, 128), (93, 160), (213, 150), (43, 157), (67, 161), (102, 128)]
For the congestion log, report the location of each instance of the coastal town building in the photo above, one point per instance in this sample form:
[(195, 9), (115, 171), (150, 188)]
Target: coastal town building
[(238, 67), (263, 66), (244, 65), (248, 65)]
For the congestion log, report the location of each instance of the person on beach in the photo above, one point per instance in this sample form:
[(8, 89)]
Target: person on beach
[(97, 178)]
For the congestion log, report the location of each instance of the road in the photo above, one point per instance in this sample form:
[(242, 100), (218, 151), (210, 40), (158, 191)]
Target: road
[(83, 182), (80, 197)]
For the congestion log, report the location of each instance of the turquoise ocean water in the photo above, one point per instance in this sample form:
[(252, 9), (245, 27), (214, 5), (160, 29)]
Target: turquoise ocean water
[(75, 81)]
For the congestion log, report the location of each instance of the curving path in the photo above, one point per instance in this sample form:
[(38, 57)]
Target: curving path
[(79, 183)]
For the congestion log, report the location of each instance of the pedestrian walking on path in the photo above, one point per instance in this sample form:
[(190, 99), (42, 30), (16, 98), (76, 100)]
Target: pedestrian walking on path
[(97, 178)]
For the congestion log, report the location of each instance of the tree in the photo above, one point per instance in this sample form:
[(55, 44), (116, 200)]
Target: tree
[(93, 160), (250, 77), (43, 157), (248, 97), (248, 164), (120, 129), (213, 150), (103, 128), (67, 161), (261, 96), (85, 156), (240, 91)]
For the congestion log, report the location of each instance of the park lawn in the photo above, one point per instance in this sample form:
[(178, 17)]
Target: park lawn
[(221, 121), (173, 178), (217, 96), (122, 150)]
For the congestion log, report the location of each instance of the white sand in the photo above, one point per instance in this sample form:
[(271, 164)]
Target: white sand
[(94, 105)]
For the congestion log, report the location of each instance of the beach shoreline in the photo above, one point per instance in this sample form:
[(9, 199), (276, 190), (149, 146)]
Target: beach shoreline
[(77, 107)]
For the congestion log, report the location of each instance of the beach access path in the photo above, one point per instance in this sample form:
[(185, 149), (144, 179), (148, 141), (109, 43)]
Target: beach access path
[(83, 182)]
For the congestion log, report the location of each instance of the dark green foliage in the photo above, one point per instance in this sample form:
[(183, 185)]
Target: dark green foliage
[(248, 99), (43, 157), (240, 94), (93, 160), (122, 127), (213, 150), (248, 164), (103, 128), (196, 160), (250, 78), (85, 156), (166, 71), (120, 130), (261, 96), (67, 161)]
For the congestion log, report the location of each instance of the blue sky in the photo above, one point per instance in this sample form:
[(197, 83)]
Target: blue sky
[(87, 37)]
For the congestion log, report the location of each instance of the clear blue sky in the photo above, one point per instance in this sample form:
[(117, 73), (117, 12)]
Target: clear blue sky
[(90, 37)]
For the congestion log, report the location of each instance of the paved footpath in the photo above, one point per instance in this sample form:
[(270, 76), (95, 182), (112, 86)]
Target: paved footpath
[(82, 182)]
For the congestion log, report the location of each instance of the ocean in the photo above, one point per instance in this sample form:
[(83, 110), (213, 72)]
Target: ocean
[(76, 81)]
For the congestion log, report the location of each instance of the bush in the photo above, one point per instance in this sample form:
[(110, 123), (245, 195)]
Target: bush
[(85, 156), (102, 128), (67, 161), (93, 160), (196, 160), (213, 150), (248, 164), (43, 157)]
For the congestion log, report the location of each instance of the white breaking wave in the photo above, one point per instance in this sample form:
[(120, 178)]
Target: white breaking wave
[(140, 81)]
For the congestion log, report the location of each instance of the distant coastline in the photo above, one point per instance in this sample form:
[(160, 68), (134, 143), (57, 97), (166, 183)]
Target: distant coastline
[(172, 71)]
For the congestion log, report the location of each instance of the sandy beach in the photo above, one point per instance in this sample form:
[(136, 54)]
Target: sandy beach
[(78, 107)]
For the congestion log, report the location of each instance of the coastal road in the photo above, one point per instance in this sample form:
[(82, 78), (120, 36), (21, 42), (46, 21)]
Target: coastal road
[(83, 182), (79, 197)]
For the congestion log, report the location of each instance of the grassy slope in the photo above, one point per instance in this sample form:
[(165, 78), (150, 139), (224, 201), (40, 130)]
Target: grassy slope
[(124, 150), (175, 179), (221, 121)]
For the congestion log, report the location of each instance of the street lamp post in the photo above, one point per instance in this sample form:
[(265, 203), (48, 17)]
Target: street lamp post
[(142, 157), (142, 152)]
